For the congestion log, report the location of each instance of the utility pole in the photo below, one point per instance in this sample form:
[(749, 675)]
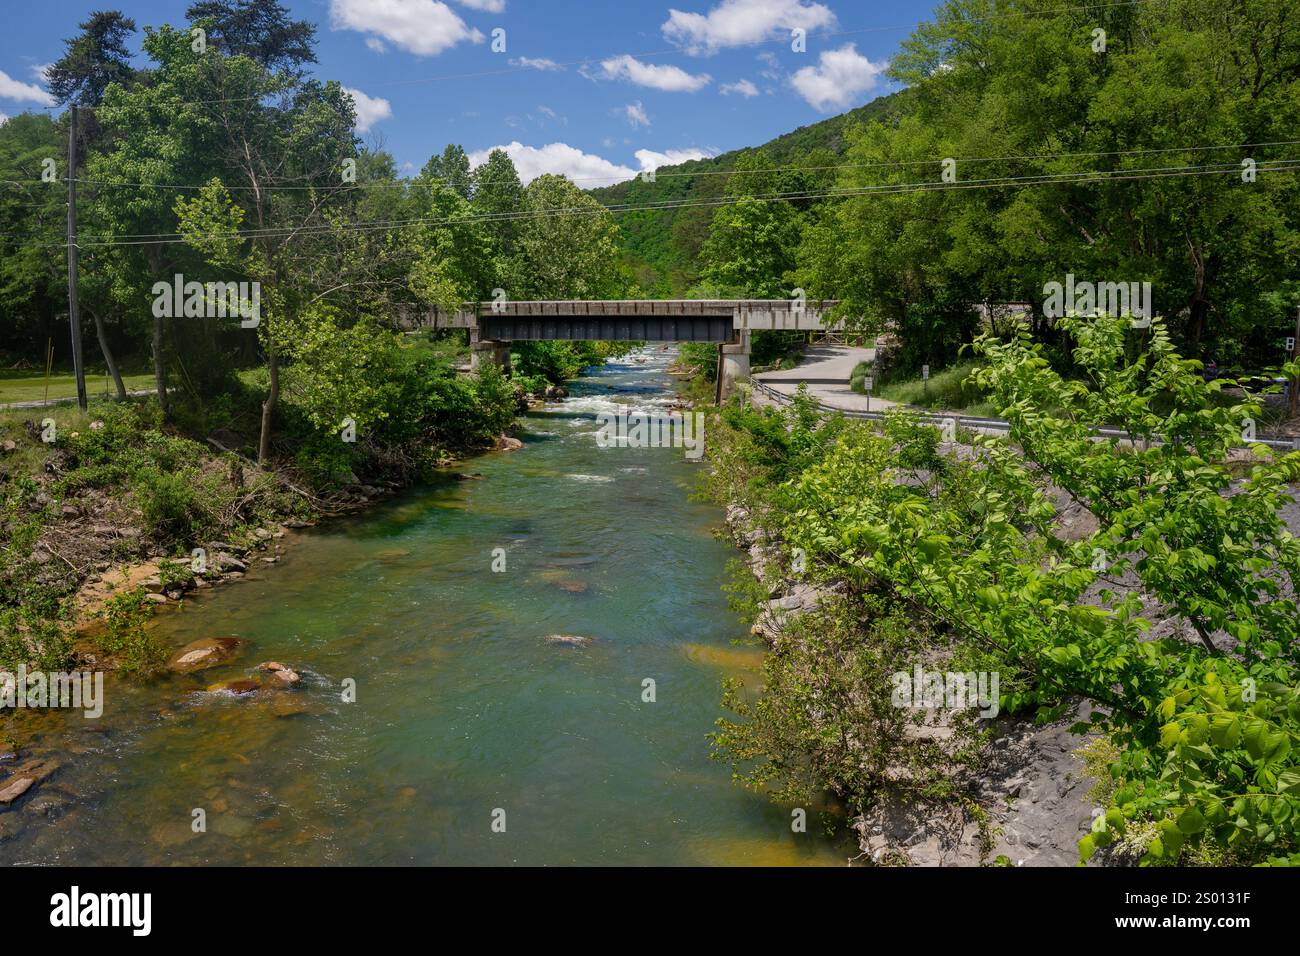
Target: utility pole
[(1295, 381), (74, 319)]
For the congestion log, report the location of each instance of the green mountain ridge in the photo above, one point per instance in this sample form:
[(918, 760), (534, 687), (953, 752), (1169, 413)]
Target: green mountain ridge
[(661, 246)]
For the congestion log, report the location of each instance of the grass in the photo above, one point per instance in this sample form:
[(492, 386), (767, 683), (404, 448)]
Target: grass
[(946, 391), (31, 386)]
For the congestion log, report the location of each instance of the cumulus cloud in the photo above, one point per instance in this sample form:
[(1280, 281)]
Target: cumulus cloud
[(424, 27), (671, 79), (839, 78), (649, 159), (11, 89), (536, 63), (487, 6), (740, 87), (739, 22), (586, 169), (370, 109), (635, 114)]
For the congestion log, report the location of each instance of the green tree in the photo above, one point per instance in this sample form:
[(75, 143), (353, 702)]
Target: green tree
[(93, 60), (750, 250)]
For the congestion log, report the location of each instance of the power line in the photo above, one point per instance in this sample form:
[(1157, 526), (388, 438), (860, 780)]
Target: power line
[(789, 167), (1084, 178)]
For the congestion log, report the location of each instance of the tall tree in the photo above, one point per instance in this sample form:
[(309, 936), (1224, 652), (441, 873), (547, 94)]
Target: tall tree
[(751, 246), (452, 167), (498, 198), (93, 59), (259, 29), (568, 245)]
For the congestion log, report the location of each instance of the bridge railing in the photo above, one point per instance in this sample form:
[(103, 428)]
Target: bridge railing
[(990, 424)]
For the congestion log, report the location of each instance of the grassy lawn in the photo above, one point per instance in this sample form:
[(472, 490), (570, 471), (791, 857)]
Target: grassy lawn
[(945, 391), (30, 386)]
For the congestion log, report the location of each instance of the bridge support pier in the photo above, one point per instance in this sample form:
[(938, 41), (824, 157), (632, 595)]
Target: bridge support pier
[(493, 352), (733, 365)]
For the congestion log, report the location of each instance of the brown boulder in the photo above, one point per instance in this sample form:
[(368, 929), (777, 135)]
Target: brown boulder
[(204, 653), (280, 672), (15, 789)]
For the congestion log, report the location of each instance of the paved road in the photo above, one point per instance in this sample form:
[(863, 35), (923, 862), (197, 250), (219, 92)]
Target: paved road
[(67, 399), (826, 369)]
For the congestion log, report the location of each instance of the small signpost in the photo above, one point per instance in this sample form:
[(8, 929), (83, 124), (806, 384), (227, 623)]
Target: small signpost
[(925, 378), (866, 387)]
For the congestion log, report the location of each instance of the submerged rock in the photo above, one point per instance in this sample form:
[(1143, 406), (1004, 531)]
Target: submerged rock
[(204, 653), (568, 640), (14, 789), (235, 688)]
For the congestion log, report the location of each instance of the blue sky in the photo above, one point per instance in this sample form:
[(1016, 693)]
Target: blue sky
[(594, 89)]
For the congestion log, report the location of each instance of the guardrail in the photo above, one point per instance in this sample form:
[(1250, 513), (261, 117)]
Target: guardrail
[(974, 424)]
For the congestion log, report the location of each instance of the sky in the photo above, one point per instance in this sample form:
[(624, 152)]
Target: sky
[(594, 89)]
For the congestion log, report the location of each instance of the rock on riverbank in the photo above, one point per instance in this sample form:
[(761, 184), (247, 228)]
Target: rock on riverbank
[(1032, 783)]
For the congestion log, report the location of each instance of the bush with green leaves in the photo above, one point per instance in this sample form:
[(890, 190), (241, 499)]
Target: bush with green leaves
[(127, 637), (1204, 711), (825, 719)]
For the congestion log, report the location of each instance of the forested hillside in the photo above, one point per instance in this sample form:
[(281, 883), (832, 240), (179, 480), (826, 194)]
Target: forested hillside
[(662, 246)]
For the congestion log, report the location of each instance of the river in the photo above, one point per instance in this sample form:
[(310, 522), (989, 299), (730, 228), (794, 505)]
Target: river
[(464, 713)]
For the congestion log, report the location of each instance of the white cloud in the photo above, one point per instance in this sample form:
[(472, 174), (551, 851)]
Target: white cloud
[(3, 119), (487, 6), (370, 109), (424, 27), (40, 72), (635, 114), (538, 63), (738, 22), (649, 159), (742, 87), (671, 79), (585, 169), (376, 44), (11, 89), (840, 77)]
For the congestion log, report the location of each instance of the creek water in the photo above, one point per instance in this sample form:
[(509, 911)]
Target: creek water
[(463, 708)]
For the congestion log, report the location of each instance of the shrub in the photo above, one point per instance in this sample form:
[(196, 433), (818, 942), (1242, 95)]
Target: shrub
[(169, 502), (126, 636)]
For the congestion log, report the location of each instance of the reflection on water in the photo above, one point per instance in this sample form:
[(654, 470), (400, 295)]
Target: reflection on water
[(462, 707)]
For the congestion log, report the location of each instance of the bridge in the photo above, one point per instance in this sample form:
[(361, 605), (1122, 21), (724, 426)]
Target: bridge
[(728, 322)]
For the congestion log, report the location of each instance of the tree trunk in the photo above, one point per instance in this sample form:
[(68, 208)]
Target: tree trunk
[(108, 355), (159, 372), (268, 406), (1196, 325)]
